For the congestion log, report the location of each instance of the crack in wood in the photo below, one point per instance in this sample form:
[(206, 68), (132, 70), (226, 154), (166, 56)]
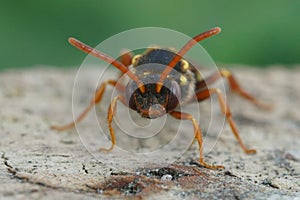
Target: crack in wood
[(84, 169), (22, 177), (269, 182), (16, 174), (5, 162)]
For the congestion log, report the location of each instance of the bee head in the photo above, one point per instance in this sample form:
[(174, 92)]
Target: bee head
[(151, 104)]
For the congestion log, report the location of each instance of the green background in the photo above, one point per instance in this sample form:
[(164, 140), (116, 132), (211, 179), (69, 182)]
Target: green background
[(260, 33)]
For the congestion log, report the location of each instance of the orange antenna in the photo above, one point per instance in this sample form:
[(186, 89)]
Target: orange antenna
[(183, 51), (89, 50)]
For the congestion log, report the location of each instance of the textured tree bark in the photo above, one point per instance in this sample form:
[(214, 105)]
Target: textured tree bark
[(39, 162)]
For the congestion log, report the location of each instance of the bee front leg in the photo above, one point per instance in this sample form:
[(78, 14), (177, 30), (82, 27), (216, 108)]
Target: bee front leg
[(126, 57), (110, 115), (198, 136)]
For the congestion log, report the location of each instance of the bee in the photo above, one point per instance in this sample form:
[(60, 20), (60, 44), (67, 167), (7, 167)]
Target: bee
[(160, 81)]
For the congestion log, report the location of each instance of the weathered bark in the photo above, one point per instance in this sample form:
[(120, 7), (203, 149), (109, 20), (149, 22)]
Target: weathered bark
[(39, 162)]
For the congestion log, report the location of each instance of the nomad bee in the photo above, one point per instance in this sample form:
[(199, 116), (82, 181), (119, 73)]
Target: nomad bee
[(155, 91)]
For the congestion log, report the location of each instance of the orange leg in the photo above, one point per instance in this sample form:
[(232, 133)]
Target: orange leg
[(234, 86), (126, 57), (198, 136), (226, 111), (110, 116), (97, 98)]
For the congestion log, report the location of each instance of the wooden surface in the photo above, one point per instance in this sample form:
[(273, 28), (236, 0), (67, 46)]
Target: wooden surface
[(37, 162)]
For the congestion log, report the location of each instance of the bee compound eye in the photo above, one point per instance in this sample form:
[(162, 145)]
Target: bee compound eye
[(129, 90), (174, 96), (175, 89)]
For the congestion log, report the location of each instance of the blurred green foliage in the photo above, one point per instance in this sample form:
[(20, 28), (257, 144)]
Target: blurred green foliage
[(254, 32)]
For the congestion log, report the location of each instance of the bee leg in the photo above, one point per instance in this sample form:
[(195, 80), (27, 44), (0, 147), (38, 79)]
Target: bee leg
[(126, 57), (198, 136), (110, 115), (234, 86), (96, 99), (226, 111)]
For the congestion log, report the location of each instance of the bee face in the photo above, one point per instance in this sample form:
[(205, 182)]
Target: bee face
[(151, 104)]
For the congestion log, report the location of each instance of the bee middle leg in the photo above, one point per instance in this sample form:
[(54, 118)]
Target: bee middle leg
[(226, 111), (234, 86), (96, 99)]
